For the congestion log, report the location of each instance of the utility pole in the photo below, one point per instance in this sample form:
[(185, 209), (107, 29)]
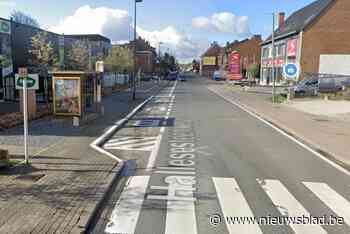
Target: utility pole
[(159, 44), (135, 52), (273, 59)]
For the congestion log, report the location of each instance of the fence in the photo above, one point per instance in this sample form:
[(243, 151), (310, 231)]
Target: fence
[(112, 79)]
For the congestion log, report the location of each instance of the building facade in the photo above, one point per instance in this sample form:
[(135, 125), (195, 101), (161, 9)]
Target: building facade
[(249, 51), (15, 46), (6, 62), (321, 27), (146, 55), (211, 60)]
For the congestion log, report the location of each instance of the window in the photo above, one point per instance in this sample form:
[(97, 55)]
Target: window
[(281, 50), (266, 52)]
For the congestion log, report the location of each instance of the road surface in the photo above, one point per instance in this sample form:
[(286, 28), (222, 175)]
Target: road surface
[(199, 164)]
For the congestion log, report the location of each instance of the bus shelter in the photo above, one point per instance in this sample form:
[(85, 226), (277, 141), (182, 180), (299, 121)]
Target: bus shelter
[(74, 93)]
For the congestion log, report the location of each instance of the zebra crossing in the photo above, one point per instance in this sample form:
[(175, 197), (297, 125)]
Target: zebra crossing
[(233, 203), (132, 143)]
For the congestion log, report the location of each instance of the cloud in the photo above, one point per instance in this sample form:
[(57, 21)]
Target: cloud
[(183, 45), (116, 24), (112, 23), (7, 3), (223, 22)]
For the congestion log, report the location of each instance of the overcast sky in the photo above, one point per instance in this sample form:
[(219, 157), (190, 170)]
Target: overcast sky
[(186, 27)]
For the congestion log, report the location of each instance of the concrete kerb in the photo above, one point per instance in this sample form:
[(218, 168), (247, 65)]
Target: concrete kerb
[(86, 221), (313, 148)]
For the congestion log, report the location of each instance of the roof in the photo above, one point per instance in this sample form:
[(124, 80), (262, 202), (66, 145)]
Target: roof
[(213, 50), (297, 21), (92, 37)]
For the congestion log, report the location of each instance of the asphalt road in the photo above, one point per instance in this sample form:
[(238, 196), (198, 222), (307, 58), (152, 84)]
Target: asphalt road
[(198, 164)]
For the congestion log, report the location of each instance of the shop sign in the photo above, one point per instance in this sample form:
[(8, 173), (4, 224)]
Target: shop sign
[(235, 66), (209, 61), (292, 48)]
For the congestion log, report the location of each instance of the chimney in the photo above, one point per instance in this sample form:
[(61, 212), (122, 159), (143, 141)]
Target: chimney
[(281, 22)]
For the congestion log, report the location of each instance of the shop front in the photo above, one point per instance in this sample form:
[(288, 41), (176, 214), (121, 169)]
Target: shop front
[(286, 51)]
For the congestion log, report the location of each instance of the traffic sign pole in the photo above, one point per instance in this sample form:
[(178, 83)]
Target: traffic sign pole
[(23, 73), (25, 114)]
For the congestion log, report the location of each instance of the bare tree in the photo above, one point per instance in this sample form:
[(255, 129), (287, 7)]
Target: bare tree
[(43, 57), (78, 56), (119, 59), (23, 18)]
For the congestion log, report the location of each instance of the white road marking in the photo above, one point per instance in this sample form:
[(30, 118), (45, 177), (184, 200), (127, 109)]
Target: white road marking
[(286, 203), (147, 123), (127, 210), (331, 198), (340, 168), (176, 172), (176, 168), (132, 143), (180, 218), (234, 204), (153, 157)]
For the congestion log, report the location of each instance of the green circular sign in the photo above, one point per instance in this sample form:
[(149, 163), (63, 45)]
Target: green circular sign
[(5, 27)]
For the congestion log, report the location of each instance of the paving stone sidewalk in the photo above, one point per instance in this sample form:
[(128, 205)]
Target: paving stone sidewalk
[(328, 135), (66, 178)]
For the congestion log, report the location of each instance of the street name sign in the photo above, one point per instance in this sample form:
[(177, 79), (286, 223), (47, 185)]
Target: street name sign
[(32, 81), (291, 71)]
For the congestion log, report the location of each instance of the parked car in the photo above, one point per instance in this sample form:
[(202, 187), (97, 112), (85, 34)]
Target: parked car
[(146, 78), (217, 75), (333, 84), (307, 87), (182, 77), (172, 75)]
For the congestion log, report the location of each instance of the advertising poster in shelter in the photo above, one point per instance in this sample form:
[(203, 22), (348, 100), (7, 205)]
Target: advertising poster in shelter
[(67, 100)]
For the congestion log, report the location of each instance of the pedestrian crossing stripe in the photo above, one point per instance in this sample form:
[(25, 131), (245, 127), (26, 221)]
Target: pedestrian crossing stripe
[(332, 199), (233, 203), (132, 143)]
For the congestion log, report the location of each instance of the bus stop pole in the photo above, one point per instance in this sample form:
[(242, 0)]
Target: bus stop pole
[(25, 116)]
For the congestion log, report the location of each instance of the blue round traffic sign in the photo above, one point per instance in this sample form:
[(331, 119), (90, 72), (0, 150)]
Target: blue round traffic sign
[(291, 71)]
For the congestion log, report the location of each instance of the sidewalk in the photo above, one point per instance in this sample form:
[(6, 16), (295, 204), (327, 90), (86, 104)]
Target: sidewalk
[(66, 178), (329, 135)]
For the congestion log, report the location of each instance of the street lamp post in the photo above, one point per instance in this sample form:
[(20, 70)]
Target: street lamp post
[(273, 59), (135, 52)]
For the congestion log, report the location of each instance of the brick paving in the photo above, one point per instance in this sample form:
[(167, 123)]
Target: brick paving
[(328, 135), (66, 178)]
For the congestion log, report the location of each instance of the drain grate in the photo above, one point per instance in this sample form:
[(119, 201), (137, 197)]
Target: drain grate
[(30, 178)]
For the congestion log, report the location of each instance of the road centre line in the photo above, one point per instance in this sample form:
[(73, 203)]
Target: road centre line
[(154, 153)]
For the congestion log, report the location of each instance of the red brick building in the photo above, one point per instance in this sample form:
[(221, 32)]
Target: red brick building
[(210, 60), (321, 27), (249, 51), (145, 55)]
